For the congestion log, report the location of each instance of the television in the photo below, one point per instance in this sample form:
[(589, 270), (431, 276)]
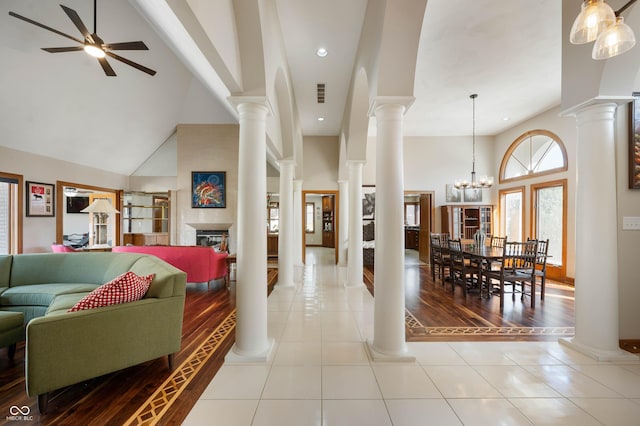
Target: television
[(77, 204)]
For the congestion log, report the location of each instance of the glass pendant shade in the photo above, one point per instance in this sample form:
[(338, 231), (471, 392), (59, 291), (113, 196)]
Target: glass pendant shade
[(614, 41), (595, 17)]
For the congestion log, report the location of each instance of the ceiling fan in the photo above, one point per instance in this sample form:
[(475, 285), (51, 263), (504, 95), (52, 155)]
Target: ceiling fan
[(92, 43)]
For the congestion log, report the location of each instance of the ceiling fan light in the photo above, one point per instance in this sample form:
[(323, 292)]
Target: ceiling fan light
[(94, 51), (594, 18), (614, 41)]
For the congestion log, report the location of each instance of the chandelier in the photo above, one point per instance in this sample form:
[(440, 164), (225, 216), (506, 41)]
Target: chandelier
[(597, 21), (484, 182)]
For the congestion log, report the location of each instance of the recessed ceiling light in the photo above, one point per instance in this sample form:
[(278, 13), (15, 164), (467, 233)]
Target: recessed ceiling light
[(505, 119), (322, 52), (320, 118)]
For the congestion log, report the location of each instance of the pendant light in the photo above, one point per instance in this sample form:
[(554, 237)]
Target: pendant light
[(597, 21), (484, 182)]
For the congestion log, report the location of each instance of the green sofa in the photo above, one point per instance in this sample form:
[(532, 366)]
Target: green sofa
[(64, 348)]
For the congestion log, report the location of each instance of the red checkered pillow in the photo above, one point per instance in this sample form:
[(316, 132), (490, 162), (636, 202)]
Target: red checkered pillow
[(122, 289)]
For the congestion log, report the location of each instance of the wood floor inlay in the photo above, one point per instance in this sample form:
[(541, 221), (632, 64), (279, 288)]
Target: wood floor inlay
[(158, 403)]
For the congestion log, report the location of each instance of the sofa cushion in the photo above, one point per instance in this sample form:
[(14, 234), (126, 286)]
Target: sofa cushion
[(64, 302), (5, 270), (127, 287), (40, 294)]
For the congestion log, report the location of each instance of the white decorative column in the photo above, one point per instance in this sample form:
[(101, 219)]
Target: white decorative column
[(252, 343), (297, 223), (596, 280), (343, 220), (389, 316), (354, 261), (286, 230)]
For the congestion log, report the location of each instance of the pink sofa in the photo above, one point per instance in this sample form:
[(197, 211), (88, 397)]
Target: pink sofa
[(202, 264)]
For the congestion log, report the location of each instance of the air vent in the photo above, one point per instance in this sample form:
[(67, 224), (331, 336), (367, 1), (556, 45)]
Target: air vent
[(320, 90)]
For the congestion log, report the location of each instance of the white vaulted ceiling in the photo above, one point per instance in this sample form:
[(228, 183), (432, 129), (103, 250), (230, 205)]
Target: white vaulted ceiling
[(63, 106)]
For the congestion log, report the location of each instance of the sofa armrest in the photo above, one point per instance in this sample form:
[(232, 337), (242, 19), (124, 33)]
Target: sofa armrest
[(218, 265), (64, 349)]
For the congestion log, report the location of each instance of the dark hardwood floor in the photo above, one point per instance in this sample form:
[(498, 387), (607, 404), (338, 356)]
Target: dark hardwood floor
[(443, 314), (114, 399)]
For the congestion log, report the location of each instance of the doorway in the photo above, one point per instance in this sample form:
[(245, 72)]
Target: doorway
[(418, 221), (67, 194), (320, 222)]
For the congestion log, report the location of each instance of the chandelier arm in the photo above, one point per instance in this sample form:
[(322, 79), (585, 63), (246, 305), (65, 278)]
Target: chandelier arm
[(623, 8)]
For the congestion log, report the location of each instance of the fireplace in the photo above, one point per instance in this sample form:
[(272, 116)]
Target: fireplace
[(218, 239)]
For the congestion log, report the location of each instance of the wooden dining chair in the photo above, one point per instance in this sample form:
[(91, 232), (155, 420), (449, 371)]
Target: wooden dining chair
[(497, 241), (517, 268), (541, 263), (439, 257), (461, 270)]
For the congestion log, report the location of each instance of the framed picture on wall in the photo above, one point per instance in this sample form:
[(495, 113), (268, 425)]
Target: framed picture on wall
[(473, 195), (368, 202), (40, 199), (454, 195), (208, 190), (634, 142)]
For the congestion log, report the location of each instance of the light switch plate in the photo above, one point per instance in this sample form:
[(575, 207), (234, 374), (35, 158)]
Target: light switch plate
[(631, 223)]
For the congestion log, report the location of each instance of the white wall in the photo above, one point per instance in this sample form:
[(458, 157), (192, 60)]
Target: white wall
[(321, 156), (206, 148), (628, 241), (315, 239), (40, 232), (430, 163)]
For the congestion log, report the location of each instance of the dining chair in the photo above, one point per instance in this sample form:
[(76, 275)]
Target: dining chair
[(461, 270), (439, 257), (517, 268), (541, 263), (497, 241)]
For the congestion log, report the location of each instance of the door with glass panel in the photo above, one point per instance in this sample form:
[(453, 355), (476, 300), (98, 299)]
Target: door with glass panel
[(549, 220)]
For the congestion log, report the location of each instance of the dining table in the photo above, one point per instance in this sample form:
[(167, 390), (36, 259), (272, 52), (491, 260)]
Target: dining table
[(484, 255)]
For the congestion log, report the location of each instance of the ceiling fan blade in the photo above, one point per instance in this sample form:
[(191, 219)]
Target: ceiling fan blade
[(75, 18), (38, 24), (131, 63), (63, 49), (106, 67), (129, 45)]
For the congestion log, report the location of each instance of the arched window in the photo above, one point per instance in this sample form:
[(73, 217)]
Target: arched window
[(534, 153)]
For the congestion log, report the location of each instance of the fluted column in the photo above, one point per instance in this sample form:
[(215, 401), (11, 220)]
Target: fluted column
[(354, 262), (286, 230), (596, 279), (343, 220), (297, 223), (252, 343), (389, 316)]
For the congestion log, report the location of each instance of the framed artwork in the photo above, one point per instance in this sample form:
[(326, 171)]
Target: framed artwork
[(473, 195), (368, 202), (208, 190), (454, 195), (634, 142), (40, 199)]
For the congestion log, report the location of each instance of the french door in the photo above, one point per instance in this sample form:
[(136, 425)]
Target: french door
[(549, 220), (512, 213)]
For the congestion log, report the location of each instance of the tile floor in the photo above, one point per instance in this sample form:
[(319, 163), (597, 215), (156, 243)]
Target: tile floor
[(321, 374)]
